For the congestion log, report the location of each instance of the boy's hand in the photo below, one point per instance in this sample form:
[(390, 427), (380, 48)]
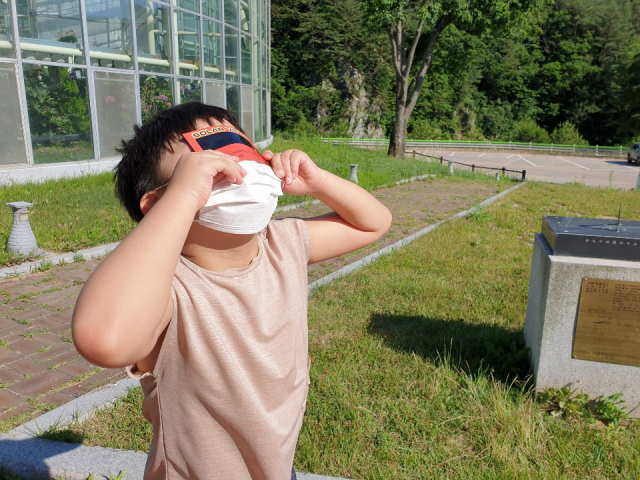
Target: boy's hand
[(299, 174), (196, 173)]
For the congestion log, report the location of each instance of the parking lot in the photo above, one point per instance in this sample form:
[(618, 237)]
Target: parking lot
[(597, 172)]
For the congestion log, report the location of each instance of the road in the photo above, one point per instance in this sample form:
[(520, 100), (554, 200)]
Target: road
[(597, 172)]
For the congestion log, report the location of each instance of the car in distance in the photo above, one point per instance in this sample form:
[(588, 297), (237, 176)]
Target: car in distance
[(634, 154)]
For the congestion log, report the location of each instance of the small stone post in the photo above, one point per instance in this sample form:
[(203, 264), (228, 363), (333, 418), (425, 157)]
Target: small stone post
[(353, 176), (638, 182), (498, 176), (22, 241), (451, 167)]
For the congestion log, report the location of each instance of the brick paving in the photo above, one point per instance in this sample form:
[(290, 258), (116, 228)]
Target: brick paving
[(39, 367)]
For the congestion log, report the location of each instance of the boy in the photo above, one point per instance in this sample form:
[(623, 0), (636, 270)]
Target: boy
[(207, 306)]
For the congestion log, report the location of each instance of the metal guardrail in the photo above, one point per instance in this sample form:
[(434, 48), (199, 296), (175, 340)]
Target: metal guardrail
[(473, 167), (593, 151)]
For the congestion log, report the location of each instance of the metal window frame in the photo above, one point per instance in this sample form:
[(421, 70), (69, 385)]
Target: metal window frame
[(22, 89)]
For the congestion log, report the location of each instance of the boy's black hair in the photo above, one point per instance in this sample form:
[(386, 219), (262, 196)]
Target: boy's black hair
[(139, 170)]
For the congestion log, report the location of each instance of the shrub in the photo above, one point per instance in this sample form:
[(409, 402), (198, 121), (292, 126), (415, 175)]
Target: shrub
[(528, 130), (423, 130), (304, 129), (567, 134)]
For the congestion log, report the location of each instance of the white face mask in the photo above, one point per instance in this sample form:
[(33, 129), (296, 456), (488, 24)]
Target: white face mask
[(245, 208)]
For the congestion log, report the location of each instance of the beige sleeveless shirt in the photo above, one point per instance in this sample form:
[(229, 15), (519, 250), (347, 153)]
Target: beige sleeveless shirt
[(227, 394)]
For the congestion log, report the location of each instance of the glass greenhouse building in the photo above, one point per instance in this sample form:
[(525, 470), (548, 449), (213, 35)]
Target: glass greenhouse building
[(77, 74)]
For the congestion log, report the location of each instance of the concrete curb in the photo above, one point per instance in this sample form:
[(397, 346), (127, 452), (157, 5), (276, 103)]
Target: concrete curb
[(34, 458), (65, 258), (77, 410)]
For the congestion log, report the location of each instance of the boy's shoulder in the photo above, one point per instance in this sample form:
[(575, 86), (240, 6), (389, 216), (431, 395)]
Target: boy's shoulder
[(288, 233)]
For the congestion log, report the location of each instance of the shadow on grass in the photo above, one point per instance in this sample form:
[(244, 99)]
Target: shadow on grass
[(473, 349)]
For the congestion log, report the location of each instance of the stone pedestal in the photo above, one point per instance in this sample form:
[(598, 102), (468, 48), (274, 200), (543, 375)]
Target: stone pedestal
[(21, 240), (353, 175), (552, 307)]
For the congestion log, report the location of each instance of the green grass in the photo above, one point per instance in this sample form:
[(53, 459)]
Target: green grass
[(418, 368), (80, 150), (74, 214), (68, 214)]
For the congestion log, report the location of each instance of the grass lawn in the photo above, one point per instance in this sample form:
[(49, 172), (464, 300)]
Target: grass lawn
[(78, 213), (418, 367)]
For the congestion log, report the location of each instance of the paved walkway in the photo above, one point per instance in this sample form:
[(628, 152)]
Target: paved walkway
[(39, 366), (592, 171)]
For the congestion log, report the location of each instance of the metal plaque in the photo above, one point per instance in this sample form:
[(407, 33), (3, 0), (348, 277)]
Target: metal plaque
[(608, 324)]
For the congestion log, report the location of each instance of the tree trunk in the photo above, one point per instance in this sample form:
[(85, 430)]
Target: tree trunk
[(398, 140), (407, 88)]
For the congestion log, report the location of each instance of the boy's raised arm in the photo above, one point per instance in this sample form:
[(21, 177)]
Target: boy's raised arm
[(126, 304), (358, 219)]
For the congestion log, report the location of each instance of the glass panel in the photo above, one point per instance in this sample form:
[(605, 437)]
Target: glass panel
[(231, 54), (109, 31), (190, 89), (256, 73), (254, 18), (247, 110), (212, 49), (58, 106), (156, 94), (231, 12), (211, 8), (192, 5), (188, 33), (264, 74), (257, 117), (245, 45), (215, 94), (233, 100), (50, 30), (115, 105), (11, 133), (266, 110), (6, 43), (245, 15), (263, 19), (154, 36)]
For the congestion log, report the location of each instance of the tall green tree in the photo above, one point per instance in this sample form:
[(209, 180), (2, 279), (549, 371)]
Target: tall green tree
[(316, 41), (414, 28)]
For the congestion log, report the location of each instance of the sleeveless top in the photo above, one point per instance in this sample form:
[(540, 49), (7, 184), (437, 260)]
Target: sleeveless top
[(228, 392)]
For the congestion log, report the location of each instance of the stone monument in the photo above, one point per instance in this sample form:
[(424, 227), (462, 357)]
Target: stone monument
[(583, 309)]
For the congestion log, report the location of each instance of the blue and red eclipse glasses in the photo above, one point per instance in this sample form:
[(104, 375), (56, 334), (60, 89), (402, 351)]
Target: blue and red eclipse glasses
[(225, 139)]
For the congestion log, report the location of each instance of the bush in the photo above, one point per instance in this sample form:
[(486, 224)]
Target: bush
[(528, 130), (423, 130), (340, 128), (567, 134), (304, 129)]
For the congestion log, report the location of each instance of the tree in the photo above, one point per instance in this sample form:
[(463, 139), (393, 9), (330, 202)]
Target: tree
[(414, 28)]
